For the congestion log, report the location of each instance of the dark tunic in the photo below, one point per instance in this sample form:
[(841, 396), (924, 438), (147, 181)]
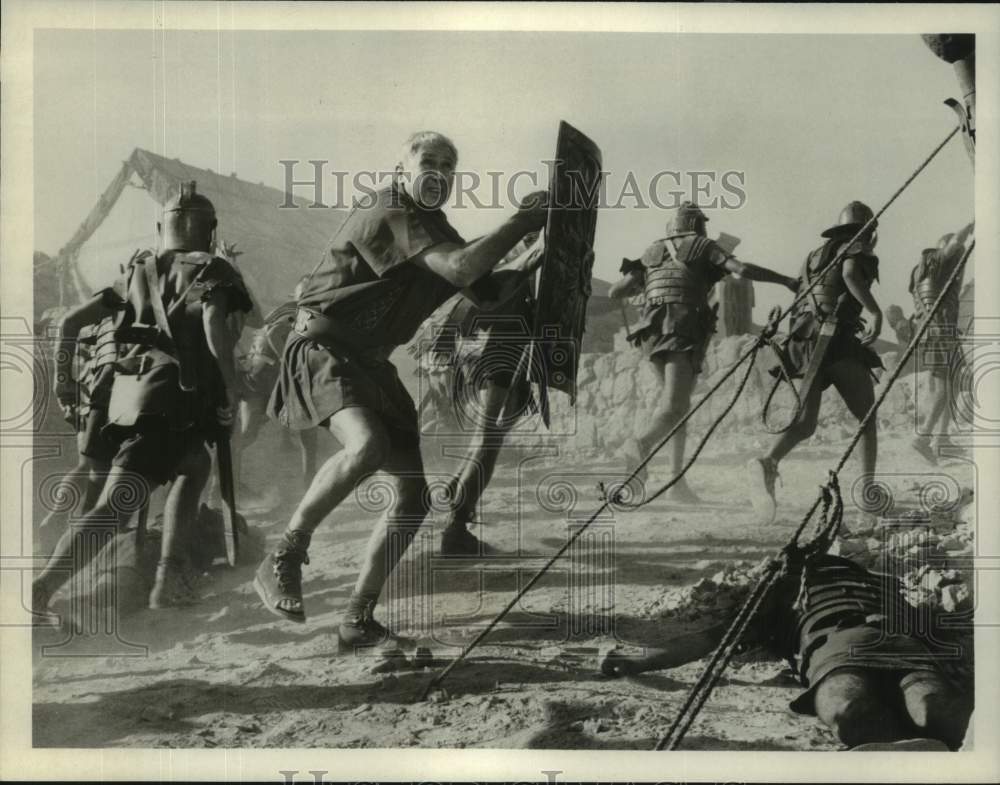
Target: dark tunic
[(806, 321), (159, 423), (843, 616), (366, 284)]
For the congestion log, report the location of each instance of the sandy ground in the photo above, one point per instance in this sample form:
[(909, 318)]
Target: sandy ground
[(228, 674)]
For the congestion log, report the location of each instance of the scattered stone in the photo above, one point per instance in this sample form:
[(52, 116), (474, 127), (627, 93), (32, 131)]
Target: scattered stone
[(438, 696), (955, 597), (362, 708)]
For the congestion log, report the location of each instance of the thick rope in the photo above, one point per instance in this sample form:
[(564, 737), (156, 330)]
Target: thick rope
[(756, 346), (764, 338), (828, 529), (800, 296)]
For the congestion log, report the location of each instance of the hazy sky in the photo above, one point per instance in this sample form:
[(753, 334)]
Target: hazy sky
[(812, 121)]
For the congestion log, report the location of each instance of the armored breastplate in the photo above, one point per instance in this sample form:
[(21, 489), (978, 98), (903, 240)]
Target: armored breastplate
[(926, 282), (674, 271)]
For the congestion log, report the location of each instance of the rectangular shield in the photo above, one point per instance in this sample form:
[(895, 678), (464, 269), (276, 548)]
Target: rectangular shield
[(564, 283)]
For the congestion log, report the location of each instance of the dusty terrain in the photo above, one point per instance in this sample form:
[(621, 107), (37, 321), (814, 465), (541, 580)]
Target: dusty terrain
[(228, 674)]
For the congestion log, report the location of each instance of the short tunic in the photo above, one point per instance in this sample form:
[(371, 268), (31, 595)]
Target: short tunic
[(367, 283), (844, 346), (852, 626), (678, 327), (170, 422)]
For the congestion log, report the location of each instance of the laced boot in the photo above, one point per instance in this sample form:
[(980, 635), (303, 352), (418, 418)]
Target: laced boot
[(360, 630), (458, 541), (761, 475), (278, 581), (171, 588)]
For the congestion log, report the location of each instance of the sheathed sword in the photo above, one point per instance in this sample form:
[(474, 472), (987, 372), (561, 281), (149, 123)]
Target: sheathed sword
[(826, 333), (227, 490)]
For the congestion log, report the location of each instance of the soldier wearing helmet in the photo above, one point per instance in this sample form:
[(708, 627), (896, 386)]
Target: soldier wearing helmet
[(938, 352), (170, 394), (828, 343), (675, 275)]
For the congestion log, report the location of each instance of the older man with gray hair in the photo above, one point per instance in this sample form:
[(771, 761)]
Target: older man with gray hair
[(393, 262)]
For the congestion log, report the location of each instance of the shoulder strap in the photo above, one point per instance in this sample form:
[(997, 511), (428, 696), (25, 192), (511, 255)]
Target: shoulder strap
[(153, 284)]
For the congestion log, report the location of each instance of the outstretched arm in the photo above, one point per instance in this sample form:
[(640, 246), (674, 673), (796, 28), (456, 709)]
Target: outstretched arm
[(463, 265), (682, 649), (219, 338), (755, 272), (859, 285), (628, 285)]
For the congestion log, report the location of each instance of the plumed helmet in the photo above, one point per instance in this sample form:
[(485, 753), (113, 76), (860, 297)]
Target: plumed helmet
[(687, 218), (188, 220), (852, 218)]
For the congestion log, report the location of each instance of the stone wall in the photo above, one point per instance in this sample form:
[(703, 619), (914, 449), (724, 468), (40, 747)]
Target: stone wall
[(618, 392)]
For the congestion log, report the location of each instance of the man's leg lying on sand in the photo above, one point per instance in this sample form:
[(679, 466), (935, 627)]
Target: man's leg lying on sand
[(852, 703), (467, 486), (392, 536), (677, 374), (936, 708), (180, 514), (365, 450), (78, 546), (762, 472)]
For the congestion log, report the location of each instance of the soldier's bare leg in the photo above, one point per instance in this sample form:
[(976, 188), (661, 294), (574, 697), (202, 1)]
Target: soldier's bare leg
[(762, 472), (390, 539), (851, 703), (937, 421), (365, 449), (678, 377), (78, 546), (85, 482), (936, 708), (854, 383), (180, 513), (475, 473), (252, 416), (308, 450)]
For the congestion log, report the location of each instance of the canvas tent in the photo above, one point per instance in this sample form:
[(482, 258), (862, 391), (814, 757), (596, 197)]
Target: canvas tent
[(278, 245)]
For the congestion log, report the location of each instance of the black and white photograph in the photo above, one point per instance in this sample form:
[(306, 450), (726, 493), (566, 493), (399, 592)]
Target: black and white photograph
[(499, 391)]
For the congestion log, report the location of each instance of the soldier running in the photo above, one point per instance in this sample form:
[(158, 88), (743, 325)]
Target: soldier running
[(169, 395), (84, 403), (394, 261), (939, 350), (828, 343), (484, 350), (852, 642), (260, 370), (676, 275)]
